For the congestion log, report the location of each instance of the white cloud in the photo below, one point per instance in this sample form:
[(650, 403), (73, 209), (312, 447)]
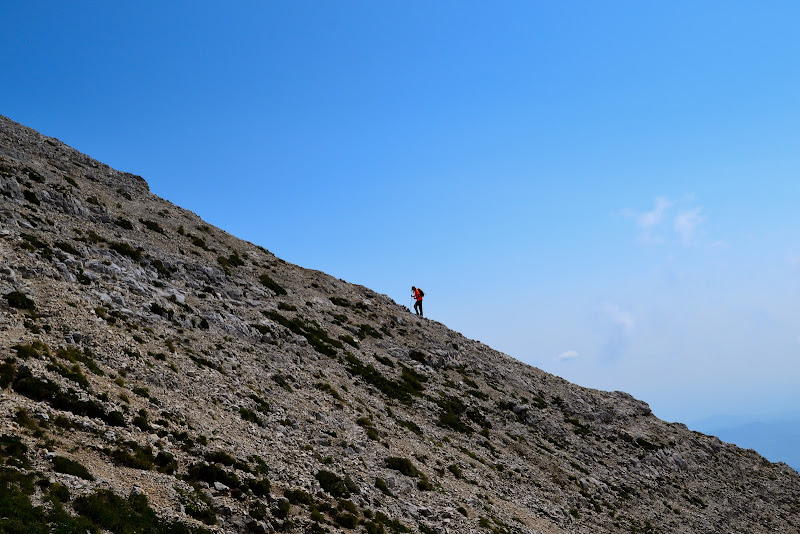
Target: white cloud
[(650, 219), (686, 224), (619, 317), (685, 215), (648, 222), (567, 355), (621, 327)]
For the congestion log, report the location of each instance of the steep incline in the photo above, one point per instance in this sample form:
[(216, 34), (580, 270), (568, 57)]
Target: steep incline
[(160, 373)]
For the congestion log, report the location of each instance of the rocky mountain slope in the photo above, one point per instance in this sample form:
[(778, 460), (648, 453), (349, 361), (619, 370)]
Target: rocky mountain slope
[(161, 375)]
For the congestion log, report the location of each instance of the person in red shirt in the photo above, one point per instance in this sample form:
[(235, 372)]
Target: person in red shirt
[(417, 294)]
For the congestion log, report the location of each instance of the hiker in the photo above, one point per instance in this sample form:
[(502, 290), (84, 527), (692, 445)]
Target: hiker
[(417, 294)]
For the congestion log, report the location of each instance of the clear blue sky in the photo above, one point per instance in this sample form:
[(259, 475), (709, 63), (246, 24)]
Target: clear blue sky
[(605, 190)]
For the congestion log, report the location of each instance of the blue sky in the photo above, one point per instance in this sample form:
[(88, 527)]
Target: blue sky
[(605, 190)]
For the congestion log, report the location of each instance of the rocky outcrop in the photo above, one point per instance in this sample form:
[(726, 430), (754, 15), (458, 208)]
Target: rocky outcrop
[(158, 367)]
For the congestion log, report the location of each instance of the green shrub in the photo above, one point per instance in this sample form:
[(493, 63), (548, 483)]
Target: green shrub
[(122, 223), (451, 409), (124, 249), (328, 388), (340, 302), (231, 261), (366, 330), (13, 452), (134, 456), (261, 405), (127, 516), (381, 485), (249, 415), (316, 336), (33, 387), (152, 226), (66, 247), (58, 491), (31, 197), (73, 373), (165, 462), (272, 284), (335, 485), (346, 520), (202, 472), (33, 350), (7, 372), (71, 467), (417, 355), (158, 309), (158, 265), (453, 468), (402, 465), (260, 486), (298, 496), (402, 390), (282, 509), (17, 299), (75, 355)]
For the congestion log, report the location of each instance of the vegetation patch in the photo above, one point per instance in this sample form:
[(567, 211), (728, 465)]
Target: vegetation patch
[(271, 284), (335, 485), (108, 511), (31, 197), (68, 248), (450, 411), (366, 330), (418, 356), (316, 336), (202, 472), (402, 390), (230, 262), (124, 249), (37, 389), (381, 485), (124, 223), (13, 452), (72, 373), (152, 226), (18, 300), (249, 415), (134, 456), (329, 389), (402, 465), (339, 301), (34, 350), (71, 467)]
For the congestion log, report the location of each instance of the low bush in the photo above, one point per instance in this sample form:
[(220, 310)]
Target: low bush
[(271, 284), (18, 299), (71, 467), (124, 249), (335, 485)]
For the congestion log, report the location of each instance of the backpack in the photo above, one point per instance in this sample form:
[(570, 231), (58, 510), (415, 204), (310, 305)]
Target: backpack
[(421, 292)]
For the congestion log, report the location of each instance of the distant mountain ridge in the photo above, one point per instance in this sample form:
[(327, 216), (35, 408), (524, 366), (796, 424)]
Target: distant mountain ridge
[(161, 375)]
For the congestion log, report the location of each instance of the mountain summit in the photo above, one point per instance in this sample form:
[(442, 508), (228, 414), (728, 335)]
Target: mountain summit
[(161, 375)]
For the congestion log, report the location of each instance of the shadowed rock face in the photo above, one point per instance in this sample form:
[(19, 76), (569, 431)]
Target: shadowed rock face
[(155, 366)]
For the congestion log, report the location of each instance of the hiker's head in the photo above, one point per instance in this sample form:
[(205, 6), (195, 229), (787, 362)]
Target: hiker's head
[(413, 288)]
